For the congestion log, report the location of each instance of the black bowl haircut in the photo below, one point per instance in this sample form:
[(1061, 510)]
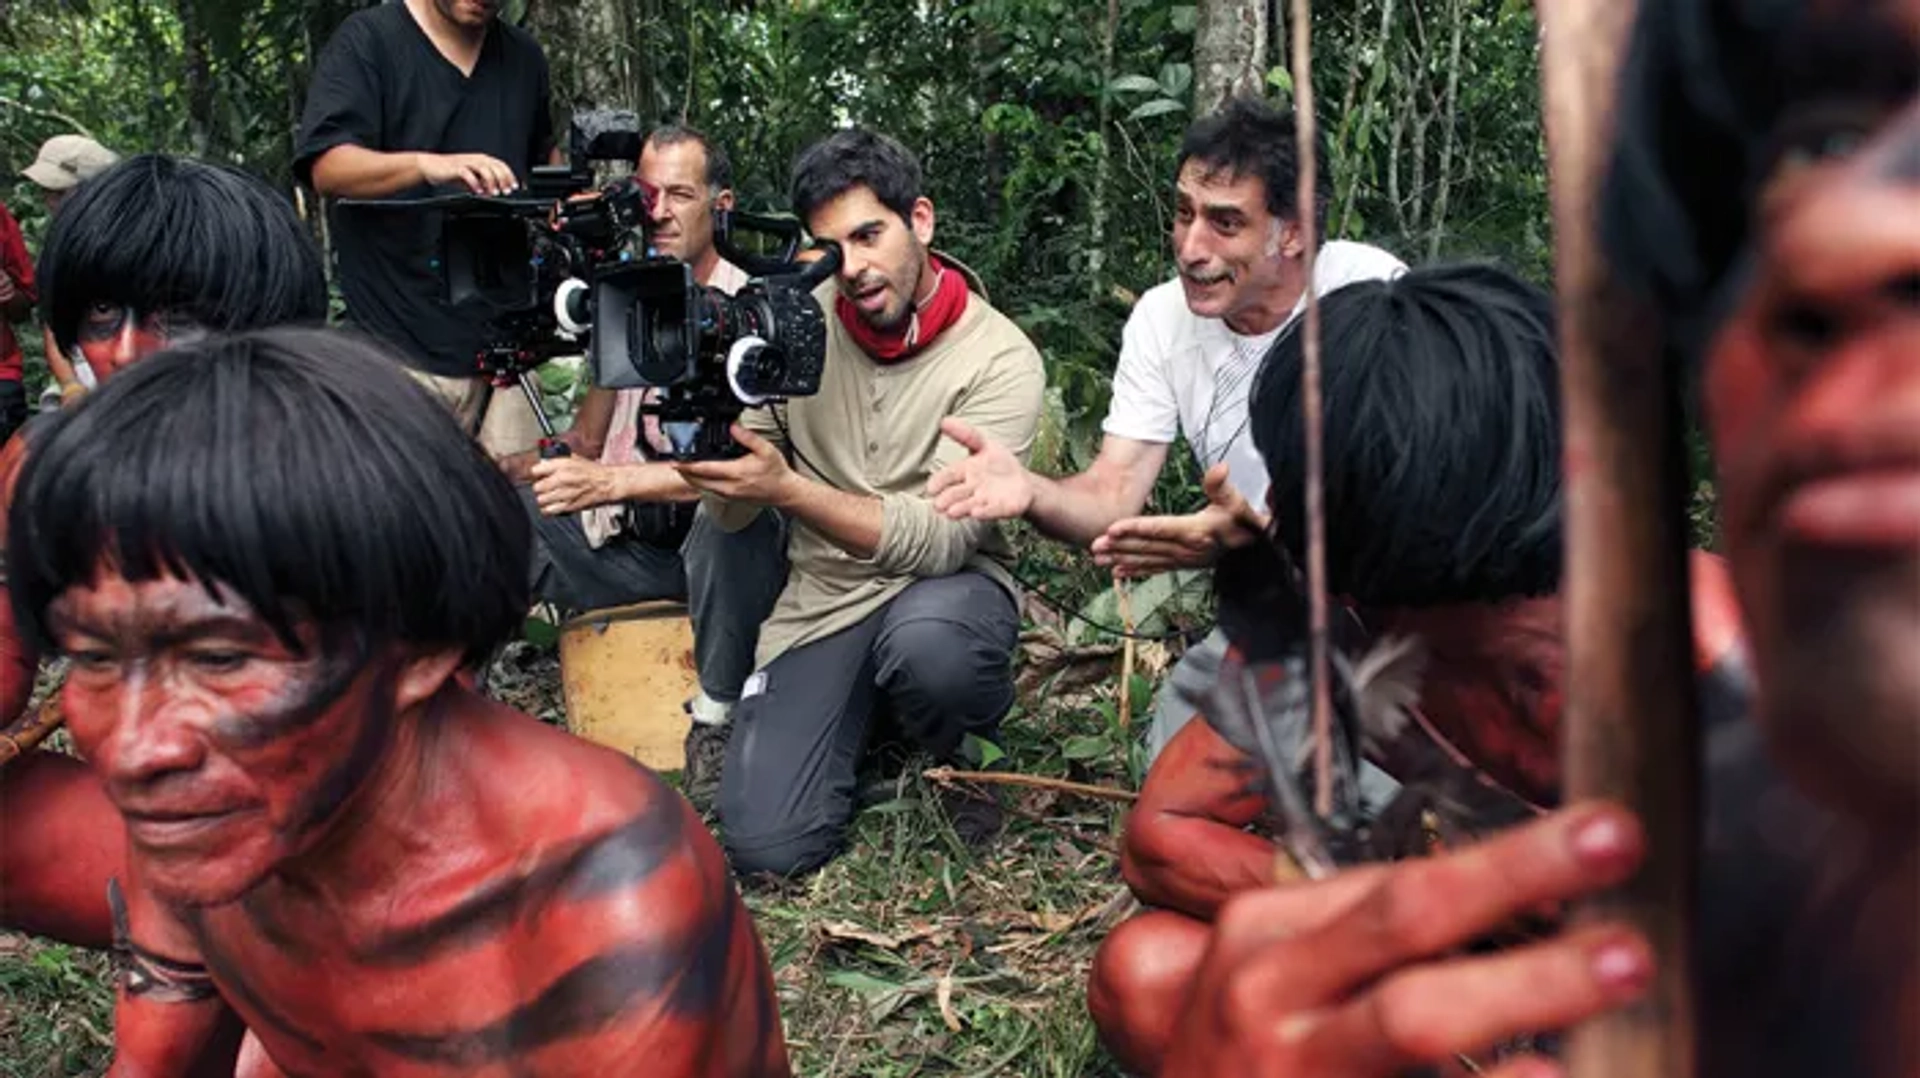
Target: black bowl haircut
[(303, 469), (168, 234), (1441, 394)]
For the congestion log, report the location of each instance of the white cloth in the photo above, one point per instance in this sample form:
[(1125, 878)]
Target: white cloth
[(602, 522), (1181, 373)]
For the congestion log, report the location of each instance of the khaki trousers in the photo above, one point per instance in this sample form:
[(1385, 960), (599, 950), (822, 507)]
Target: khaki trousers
[(509, 425)]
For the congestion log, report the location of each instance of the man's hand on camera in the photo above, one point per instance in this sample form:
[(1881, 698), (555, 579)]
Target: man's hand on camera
[(1359, 976), (762, 477), (990, 484), (480, 174), (565, 485), (1143, 546), (8, 290)]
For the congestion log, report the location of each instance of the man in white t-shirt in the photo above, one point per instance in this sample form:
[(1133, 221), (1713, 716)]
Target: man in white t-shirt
[(1187, 360)]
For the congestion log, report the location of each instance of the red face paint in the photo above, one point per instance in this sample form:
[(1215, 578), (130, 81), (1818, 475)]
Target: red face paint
[(226, 751), (111, 335)]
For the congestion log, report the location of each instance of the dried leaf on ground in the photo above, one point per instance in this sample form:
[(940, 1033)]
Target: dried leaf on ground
[(848, 932)]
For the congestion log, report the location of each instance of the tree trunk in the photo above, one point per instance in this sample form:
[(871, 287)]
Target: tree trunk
[(1103, 167), (1437, 228), (592, 53), (1229, 51), (198, 76), (1359, 150)]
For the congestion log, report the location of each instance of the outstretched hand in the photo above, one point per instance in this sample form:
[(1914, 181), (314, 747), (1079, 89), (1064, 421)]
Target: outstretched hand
[(762, 477), (990, 484), (1359, 976), (1143, 546)]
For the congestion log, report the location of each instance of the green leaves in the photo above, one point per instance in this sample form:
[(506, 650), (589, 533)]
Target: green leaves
[(1170, 90), (1159, 106), (1134, 84), (1082, 747)]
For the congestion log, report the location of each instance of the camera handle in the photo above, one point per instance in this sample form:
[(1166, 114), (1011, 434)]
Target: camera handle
[(726, 222)]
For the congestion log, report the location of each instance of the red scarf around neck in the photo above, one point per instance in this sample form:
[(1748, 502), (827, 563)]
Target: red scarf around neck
[(924, 324)]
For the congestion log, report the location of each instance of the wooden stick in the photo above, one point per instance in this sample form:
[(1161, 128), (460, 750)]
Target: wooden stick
[(1310, 405), (1127, 648), (947, 776), (1630, 727), (30, 730)]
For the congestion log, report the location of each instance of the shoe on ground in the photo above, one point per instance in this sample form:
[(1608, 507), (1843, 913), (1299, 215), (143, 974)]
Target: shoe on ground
[(706, 749)]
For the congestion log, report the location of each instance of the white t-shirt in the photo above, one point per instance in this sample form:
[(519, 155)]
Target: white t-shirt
[(1180, 372)]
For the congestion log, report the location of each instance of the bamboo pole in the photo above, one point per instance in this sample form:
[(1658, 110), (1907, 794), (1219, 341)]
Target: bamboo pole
[(1318, 667), (1630, 725), (1123, 591)]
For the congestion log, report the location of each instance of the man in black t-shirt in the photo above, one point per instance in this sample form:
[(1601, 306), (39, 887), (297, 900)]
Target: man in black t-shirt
[(419, 98)]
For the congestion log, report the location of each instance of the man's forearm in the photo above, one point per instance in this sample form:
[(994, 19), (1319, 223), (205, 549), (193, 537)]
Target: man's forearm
[(1079, 508), (651, 482), (852, 522), (592, 421), (350, 171)]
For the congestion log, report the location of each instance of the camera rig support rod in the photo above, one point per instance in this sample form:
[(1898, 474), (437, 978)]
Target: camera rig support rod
[(550, 444)]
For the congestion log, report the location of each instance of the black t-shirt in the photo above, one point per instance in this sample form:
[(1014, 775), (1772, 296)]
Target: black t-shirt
[(382, 85)]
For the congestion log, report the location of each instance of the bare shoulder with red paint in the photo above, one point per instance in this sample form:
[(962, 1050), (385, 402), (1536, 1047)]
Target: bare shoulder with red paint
[(576, 918)]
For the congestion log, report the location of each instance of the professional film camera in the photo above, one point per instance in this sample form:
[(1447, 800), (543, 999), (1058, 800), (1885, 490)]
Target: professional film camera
[(568, 264)]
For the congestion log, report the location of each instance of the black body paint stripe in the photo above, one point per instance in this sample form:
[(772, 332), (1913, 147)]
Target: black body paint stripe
[(616, 861), (337, 675), (691, 975), (235, 987), (582, 1001)]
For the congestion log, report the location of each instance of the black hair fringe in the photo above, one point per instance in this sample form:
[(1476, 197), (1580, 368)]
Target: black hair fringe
[(302, 469), (168, 234)]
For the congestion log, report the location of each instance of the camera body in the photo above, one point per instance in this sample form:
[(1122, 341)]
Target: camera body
[(709, 355), (567, 263)]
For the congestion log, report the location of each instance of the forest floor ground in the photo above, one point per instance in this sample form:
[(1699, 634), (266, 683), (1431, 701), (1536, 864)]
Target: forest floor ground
[(910, 955)]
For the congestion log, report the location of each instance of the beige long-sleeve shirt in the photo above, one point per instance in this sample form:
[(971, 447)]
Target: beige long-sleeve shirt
[(874, 430)]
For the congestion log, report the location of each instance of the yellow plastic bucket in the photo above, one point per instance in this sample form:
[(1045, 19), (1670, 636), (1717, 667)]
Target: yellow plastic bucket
[(626, 672)]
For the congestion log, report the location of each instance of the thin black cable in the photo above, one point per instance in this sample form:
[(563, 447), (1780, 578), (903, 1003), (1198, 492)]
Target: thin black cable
[(795, 455)]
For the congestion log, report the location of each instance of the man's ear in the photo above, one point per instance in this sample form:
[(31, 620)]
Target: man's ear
[(921, 221), (1292, 245), (423, 675), (723, 200)]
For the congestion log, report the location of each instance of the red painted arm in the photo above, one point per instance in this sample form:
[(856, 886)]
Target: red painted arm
[(1186, 846), (19, 660)]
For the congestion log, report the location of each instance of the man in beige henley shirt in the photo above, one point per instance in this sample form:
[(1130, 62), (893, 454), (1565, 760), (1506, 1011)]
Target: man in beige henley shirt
[(890, 608)]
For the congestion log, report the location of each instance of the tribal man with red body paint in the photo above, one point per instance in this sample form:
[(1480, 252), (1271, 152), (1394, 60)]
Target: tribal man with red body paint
[(1764, 198), (266, 599), (156, 250), (1443, 519)]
